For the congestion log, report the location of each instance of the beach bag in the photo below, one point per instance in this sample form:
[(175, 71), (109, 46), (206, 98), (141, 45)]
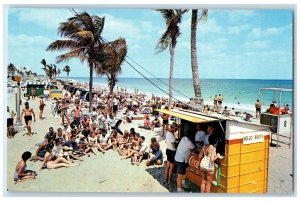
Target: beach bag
[(206, 163)]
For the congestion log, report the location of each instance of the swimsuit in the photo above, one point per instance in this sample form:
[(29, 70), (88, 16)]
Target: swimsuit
[(16, 174), (27, 118)]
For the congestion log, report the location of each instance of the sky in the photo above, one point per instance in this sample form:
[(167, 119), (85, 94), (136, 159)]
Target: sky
[(231, 44)]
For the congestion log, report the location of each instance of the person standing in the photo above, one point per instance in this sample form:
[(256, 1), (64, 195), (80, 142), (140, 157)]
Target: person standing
[(41, 107), (181, 159), (32, 93), (220, 101), (215, 102), (207, 172), (64, 108), (170, 152), (28, 113), (258, 108), (165, 118)]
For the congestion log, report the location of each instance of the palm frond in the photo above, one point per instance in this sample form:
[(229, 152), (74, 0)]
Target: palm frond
[(99, 25), (74, 53), (61, 45), (204, 16)]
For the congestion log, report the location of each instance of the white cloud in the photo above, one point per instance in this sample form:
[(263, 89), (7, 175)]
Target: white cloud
[(237, 29), (21, 41), (256, 44), (235, 15), (260, 32), (42, 17)]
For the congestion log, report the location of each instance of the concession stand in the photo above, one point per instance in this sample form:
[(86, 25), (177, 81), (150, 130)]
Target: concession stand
[(244, 147)]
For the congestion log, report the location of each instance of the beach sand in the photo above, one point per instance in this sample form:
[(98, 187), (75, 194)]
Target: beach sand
[(107, 173)]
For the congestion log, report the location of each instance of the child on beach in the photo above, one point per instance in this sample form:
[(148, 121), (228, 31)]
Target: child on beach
[(21, 173)]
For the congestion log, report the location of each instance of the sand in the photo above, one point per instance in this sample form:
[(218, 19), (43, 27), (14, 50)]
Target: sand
[(107, 173)]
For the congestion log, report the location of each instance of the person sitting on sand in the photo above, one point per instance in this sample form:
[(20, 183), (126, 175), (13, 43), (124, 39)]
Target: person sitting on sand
[(42, 149), (133, 148), (123, 140), (21, 173), (155, 156), (155, 123), (93, 123), (225, 111), (85, 122), (92, 144), (142, 154), (28, 113), (50, 135), (60, 135), (113, 141), (146, 124)]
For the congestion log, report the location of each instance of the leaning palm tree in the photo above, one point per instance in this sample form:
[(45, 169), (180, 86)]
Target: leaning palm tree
[(110, 59), (83, 33), (169, 39), (67, 69), (194, 63)]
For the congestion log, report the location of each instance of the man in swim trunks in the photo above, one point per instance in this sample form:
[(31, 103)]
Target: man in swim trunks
[(28, 112), (220, 101), (258, 108), (76, 113), (41, 107)]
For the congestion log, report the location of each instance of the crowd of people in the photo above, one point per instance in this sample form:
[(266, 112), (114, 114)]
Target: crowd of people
[(94, 133)]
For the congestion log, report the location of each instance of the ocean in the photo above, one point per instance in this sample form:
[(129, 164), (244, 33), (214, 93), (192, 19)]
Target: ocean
[(237, 93)]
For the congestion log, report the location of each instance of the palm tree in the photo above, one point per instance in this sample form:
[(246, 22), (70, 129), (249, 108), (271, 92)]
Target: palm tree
[(169, 39), (110, 60), (11, 69), (58, 72), (54, 71), (195, 72), (43, 62), (83, 33), (67, 69)]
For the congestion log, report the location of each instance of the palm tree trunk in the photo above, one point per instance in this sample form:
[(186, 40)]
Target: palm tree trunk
[(91, 86), (172, 52), (195, 71)]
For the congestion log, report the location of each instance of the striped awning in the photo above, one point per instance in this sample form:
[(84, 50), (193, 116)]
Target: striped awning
[(196, 118), (38, 83)]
